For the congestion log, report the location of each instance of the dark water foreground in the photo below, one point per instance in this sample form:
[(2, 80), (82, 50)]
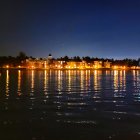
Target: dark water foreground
[(69, 105)]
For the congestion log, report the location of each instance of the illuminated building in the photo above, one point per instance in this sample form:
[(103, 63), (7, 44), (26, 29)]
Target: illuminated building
[(58, 64), (107, 64), (97, 64)]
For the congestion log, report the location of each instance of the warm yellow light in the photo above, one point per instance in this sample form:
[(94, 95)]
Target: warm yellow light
[(95, 66), (19, 66), (115, 67), (7, 66)]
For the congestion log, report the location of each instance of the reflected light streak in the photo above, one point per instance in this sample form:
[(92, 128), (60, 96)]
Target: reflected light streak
[(59, 80), (95, 79), (124, 80), (107, 72), (82, 79), (7, 82), (134, 77), (45, 81), (115, 80), (32, 81), (19, 83), (69, 80), (121, 79), (87, 79)]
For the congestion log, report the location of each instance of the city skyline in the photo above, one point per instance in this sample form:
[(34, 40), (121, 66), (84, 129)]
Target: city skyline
[(95, 28)]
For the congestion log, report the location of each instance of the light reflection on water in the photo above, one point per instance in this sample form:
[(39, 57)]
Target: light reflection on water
[(78, 97), (19, 83), (7, 83), (45, 81), (32, 81)]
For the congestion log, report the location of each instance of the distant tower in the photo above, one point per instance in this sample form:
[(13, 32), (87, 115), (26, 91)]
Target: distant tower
[(49, 57)]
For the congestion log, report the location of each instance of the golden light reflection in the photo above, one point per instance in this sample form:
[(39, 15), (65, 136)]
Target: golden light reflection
[(69, 80), (32, 81), (59, 79), (96, 79), (116, 80), (87, 79), (122, 83), (124, 79), (107, 72), (135, 77), (82, 79), (45, 81), (7, 82), (134, 74), (19, 83)]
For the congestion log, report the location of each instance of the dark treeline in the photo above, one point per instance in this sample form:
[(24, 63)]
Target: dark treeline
[(13, 61), (18, 60)]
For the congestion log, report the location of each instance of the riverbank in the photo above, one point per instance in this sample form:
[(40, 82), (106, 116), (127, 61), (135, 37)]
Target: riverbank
[(137, 68)]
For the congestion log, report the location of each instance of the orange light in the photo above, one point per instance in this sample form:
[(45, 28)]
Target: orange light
[(115, 67)]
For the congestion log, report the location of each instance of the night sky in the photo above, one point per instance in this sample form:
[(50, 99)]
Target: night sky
[(98, 28)]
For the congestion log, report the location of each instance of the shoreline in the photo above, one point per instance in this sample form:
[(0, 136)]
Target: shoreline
[(13, 68)]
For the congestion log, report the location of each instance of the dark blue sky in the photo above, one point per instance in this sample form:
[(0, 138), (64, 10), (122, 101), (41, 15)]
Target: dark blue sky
[(98, 28)]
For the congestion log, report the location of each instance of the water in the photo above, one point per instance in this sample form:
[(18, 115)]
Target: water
[(69, 104)]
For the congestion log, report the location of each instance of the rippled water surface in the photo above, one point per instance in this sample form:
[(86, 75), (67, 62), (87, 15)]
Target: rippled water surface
[(69, 104)]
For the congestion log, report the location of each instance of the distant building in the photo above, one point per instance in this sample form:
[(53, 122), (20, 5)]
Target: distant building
[(59, 64), (107, 64), (97, 64), (73, 65), (50, 57), (36, 63)]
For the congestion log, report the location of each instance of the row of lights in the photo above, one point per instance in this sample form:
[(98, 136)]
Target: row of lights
[(7, 66), (71, 67)]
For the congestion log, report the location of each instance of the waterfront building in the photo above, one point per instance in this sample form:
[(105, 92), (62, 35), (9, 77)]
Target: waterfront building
[(98, 64), (73, 65), (59, 64), (107, 64)]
